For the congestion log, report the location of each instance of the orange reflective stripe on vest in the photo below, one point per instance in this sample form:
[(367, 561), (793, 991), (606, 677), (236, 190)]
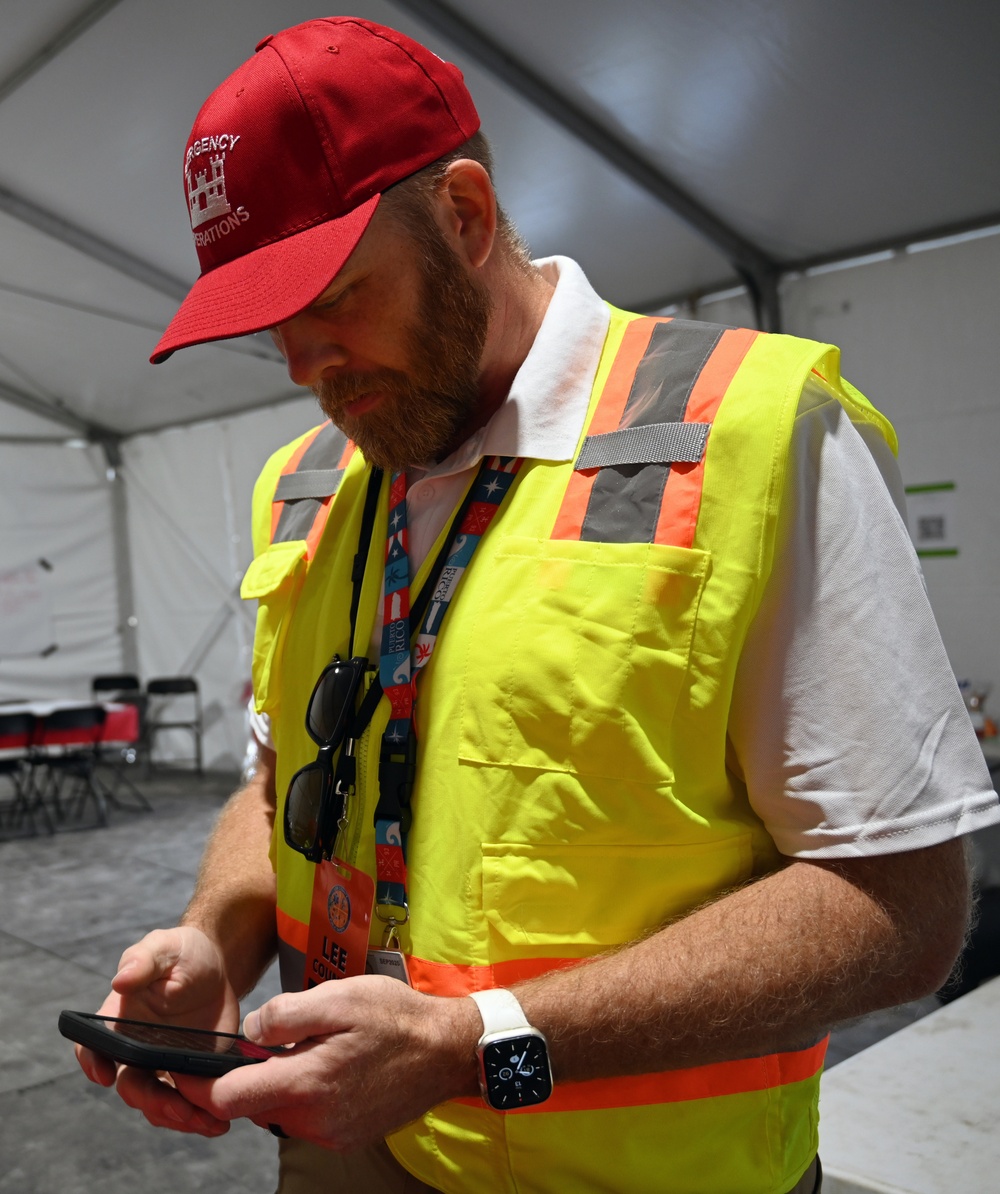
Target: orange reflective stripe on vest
[(679, 1086), (319, 461), (292, 932), (635, 1090), (669, 376), (682, 492)]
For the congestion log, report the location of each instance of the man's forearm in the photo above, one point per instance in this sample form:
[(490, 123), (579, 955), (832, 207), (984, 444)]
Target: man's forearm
[(235, 894), (767, 968)]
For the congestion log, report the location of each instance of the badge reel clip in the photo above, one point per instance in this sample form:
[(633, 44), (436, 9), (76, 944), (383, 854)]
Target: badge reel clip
[(390, 959)]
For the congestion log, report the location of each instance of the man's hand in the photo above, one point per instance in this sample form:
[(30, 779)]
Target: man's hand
[(370, 1055), (174, 976)]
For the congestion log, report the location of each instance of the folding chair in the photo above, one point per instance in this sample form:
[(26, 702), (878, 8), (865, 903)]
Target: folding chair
[(124, 688), (67, 742), (121, 751), (16, 764), (120, 686), (173, 703)]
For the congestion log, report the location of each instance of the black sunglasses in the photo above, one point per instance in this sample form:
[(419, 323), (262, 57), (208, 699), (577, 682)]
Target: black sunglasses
[(316, 804)]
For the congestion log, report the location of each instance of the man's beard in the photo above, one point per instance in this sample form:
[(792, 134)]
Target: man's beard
[(425, 408)]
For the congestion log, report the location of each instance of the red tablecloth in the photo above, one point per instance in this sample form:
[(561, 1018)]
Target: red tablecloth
[(121, 724)]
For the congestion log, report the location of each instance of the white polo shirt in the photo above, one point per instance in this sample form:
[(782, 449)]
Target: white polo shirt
[(846, 725)]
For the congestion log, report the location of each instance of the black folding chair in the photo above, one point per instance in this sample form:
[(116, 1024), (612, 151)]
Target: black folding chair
[(119, 756), (174, 703), (67, 742), (16, 765), (125, 688), (119, 686)]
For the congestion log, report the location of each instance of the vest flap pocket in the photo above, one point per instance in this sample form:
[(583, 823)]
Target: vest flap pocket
[(269, 570), (273, 578), (574, 901)]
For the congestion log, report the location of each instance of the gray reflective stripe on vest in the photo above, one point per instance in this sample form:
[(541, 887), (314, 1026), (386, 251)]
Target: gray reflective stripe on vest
[(300, 509), (308, 483), (624, 505), (659, 443)]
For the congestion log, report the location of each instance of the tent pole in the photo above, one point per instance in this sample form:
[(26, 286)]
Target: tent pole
[(762, 286), (127, 620)]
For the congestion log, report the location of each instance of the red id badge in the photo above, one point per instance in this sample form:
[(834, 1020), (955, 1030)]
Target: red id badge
[(343, 898)]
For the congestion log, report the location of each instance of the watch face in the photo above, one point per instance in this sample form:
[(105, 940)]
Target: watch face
[(517, 1072)]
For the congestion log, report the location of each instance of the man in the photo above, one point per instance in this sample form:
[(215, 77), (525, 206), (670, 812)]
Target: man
[(657, 756)]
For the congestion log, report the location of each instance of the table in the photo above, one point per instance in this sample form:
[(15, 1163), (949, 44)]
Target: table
[(121, 723), (57, 752), (917, 1112)]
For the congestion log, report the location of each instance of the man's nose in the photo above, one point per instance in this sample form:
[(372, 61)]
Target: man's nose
[(308, 350)]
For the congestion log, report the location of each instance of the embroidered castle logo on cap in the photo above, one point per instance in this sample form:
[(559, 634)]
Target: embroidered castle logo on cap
[(206, 187), (207, 196)]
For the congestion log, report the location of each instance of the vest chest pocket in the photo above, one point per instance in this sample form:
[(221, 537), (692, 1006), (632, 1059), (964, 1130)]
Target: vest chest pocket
[(580, 663), (274, 579)]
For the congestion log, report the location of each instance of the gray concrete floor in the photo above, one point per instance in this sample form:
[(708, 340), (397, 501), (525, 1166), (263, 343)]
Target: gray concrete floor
[(69, 905)]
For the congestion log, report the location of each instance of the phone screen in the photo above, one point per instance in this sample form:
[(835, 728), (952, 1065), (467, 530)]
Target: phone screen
[(162, 1046)]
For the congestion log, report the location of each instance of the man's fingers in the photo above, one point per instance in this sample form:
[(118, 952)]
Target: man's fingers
[(163, 1105), (145, 962), (324, 1010), (96, 1066), (247, 1092), (291, 1018)]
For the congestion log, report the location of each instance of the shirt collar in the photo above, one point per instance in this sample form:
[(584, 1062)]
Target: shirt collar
[(543, 414)]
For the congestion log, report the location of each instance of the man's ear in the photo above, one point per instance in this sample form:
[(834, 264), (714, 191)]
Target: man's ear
[(467, 210)]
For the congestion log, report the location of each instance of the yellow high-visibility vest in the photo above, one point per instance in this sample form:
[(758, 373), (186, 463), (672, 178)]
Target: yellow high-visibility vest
[(572, 790)]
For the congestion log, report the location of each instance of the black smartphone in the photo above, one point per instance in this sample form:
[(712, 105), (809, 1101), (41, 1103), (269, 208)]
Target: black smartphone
[(162, 1046)]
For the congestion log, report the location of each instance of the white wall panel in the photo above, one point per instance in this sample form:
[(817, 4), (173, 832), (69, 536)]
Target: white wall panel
[(918, 334)]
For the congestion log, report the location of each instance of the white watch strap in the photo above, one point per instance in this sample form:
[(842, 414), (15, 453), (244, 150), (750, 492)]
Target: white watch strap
[(500, 1010)]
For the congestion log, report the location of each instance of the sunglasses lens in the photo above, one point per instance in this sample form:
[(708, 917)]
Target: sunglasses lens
[(332, 702), (305, 797)]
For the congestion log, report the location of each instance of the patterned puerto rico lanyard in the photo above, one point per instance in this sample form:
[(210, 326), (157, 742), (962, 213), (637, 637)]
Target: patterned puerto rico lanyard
[(400, 663)]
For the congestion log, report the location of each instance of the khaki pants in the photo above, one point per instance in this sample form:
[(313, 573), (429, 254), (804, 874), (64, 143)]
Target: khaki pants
[(306, 1169)]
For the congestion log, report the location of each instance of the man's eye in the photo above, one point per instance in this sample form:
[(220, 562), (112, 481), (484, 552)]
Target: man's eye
[(330, 303)]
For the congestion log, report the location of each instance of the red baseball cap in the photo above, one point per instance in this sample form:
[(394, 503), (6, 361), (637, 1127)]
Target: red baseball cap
[(288, 159)]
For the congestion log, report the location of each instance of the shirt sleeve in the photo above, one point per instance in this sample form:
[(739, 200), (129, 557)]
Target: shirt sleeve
[(847, 724), (260, 725)]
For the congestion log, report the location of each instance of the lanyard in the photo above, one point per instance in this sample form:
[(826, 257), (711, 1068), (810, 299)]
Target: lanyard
[(402, 659)]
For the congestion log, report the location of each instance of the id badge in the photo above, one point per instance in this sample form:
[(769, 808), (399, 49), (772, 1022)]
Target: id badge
[(388, 961), (343, 898)]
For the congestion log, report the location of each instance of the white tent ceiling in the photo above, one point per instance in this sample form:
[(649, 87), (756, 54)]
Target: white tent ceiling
[(788, 132)]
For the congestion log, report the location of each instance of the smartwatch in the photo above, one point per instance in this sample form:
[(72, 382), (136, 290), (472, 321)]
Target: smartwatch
[(514, 1069)]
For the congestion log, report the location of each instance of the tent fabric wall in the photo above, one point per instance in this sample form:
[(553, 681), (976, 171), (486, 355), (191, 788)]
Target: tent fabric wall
[(189, 493), (57, 505)]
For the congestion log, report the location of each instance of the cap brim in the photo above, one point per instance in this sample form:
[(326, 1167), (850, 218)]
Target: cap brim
[(266, 286)]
